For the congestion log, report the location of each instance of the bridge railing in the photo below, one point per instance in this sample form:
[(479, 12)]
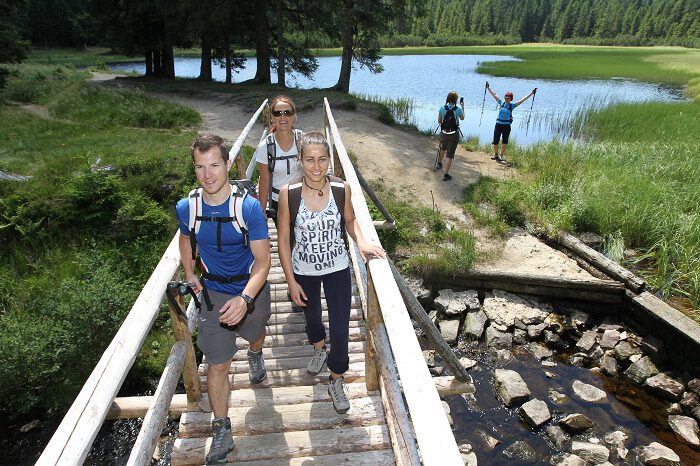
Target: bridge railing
[(393, 349)]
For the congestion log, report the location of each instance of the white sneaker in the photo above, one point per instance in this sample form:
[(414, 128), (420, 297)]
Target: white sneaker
[(317, 361)]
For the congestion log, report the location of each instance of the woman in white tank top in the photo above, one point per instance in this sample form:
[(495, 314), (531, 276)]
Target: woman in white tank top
[(319, 257)]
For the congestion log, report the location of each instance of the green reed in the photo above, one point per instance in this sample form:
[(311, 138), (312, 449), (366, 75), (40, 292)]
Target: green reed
[(402, 109)]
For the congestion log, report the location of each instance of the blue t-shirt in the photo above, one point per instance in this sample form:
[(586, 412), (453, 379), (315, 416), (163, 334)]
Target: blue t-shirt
[(234, 259), (457, 110), (505, 112)]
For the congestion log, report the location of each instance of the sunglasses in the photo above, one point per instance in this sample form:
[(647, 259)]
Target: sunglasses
[(279, 113)]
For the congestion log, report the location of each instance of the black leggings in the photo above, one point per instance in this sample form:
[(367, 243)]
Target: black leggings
[(338, 290)]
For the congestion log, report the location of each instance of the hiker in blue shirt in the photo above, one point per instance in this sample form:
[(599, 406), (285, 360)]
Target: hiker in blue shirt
[(449, 134), (505, 117), (225, 226)]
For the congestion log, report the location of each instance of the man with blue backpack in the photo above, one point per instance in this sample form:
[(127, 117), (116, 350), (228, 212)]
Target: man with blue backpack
[(223, 224), (448, 119), (501, 131)]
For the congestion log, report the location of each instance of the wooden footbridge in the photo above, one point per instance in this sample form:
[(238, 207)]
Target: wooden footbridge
[(396, 416)]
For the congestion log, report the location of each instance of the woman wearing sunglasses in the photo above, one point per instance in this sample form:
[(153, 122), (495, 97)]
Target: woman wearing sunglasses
[(501, 131), (277, 155)]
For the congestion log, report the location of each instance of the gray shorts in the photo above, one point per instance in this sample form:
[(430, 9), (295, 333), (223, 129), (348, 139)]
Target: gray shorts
[(218, 341)]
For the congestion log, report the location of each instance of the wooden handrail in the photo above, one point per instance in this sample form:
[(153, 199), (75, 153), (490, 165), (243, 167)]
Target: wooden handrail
[(236, 147), (435, 439)]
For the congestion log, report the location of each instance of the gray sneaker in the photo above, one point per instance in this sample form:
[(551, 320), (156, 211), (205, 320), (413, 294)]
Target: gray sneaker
[(317, 361), (222, 442), (257, 372), (336, 390)]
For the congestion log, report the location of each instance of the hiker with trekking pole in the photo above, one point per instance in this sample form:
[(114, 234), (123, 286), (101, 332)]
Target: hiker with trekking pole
[(501, 131), (448, 116)]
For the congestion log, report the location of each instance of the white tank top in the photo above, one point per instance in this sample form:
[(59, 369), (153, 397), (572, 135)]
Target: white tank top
[(319, 248)]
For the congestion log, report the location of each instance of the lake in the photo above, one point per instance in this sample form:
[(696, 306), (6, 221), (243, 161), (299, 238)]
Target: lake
[(427, 79)]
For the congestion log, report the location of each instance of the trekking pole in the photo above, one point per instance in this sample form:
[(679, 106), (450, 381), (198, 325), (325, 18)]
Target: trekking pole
[(181, 289), (483, 103), (527, 126)]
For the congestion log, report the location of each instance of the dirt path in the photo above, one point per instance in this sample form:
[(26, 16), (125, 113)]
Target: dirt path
[(403, 161)]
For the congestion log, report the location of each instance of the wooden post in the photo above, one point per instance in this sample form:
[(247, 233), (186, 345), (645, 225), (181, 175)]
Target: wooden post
[(190, 377), (374, 318)]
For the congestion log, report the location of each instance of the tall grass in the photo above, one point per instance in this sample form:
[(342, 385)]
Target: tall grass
[(635, 183), (401, 109)]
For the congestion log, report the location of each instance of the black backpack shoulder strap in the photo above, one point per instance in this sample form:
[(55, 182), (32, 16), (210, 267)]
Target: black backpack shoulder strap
[(293, 201), (338, 190), (271, 152)]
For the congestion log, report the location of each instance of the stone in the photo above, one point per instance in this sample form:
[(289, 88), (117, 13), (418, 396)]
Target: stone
[(503, 356), (503, 308), (558, 437), (690, 401), (624, 351), (468, 455), (451, 303), (576, 423), (578, 317), (656, 454), (616, 438), (449, 330), (436, 371), (474, 323), (549, 364), (596, 353), (446, 408), (539, 351), (421, 293), (694, 386), (489, 442), (534, 413), (641, 370), (521, 451), (587, 340), (567, 459), (550, 375), (634, 358), (609, 364), (686, 429), (432, 315), (610, 323), (554, 341), (30, 426), (591, 452), (519, 337), (499, 327), (653, 347), (609, 339), (578, 359), (534, 332), (497, 339), (665, 386), (510, 387), (429, 356), (674, 408), (588, 392), (557, 397), (591, 239), (467, 363)]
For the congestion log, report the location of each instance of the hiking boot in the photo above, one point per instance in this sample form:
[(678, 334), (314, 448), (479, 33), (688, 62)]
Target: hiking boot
[(222, 442), (317, 361), (438, 166), (336, 390), (498, 158), (257, 371), (447, 177)]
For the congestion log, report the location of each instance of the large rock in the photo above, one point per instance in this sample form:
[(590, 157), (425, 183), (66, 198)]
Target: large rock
[(421, 293), (609, 364), (497, 339), (588, 392), (559, 438), (503, 308), (451, 303), (609, 339), (587, 340), (656, 454), (576, 423), (591, 452), (449, 329), (686, 429), (521, 451), (534, 332), (539, 351), (568, 459), (553, 340), (641, 370), (510, 387), (474, 323), (691, 404), (534, 413), (625, 350), (665, 386)]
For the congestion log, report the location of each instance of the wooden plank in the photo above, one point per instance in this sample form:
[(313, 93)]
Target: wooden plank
[(295, 351), (608, 266), (241, 367), (280, 329), (294, 339), (263, 419), (298, 317), (291, 377), (286, 306), (137, 406), (71, 441), (435, 439), (153, 423), (287, 445), (428, 327), (365, 458)]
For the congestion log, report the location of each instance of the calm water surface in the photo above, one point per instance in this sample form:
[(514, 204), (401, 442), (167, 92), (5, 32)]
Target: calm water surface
[(428, 78)]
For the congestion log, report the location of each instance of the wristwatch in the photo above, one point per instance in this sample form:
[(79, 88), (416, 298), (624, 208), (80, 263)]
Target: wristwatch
[(247, 298)]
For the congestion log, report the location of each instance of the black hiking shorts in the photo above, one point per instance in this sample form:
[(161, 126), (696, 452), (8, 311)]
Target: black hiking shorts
[(499, 130)]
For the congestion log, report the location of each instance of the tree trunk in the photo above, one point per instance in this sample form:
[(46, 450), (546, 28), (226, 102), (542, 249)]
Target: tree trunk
[(149, 62), (346, 63), (157, 64), (205, 65), (168, 62), (280, 46), (228, 66), (262, 43)]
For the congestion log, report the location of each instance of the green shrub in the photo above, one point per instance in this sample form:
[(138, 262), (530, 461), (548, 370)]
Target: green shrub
[(37, 84)]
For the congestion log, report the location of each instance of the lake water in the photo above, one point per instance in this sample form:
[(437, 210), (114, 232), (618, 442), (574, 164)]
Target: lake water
[(428, 78)]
